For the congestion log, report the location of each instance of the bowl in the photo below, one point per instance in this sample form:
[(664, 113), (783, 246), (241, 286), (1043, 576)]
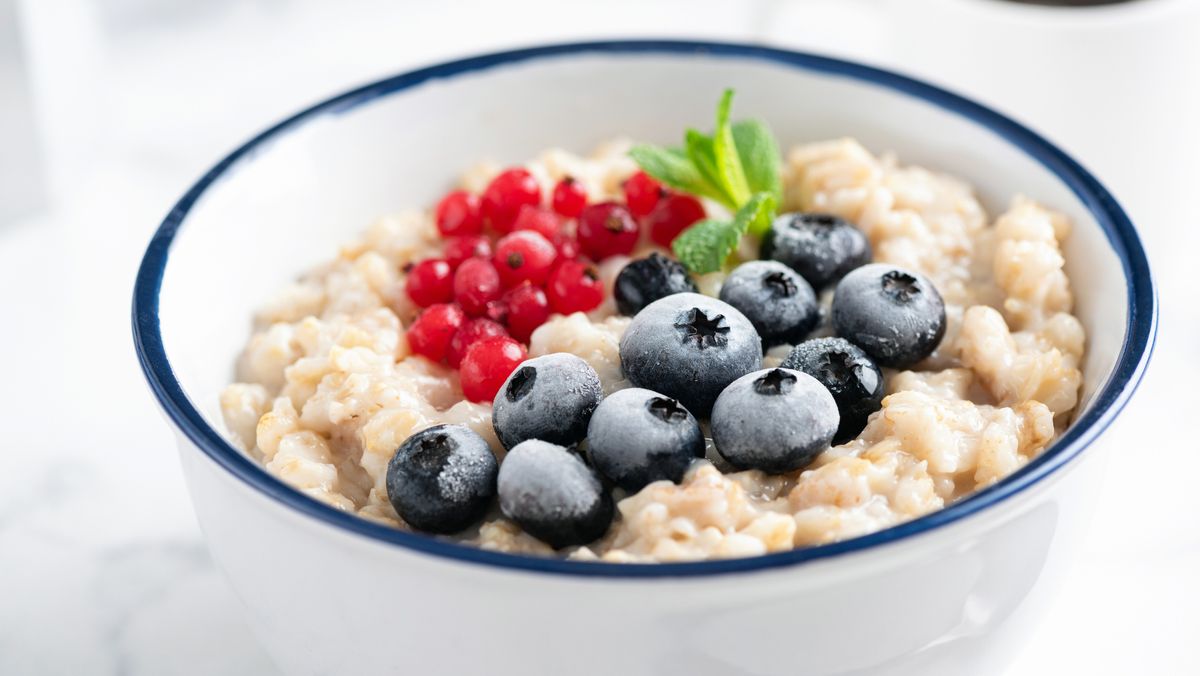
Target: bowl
[(327, 592)]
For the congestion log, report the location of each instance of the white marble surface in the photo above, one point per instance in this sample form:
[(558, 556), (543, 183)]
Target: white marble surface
[(102, 569)]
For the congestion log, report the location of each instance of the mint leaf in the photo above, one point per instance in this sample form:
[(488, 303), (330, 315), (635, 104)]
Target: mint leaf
[(672, 167), (700, 151), (760, 157), (730, 173), (705, 246)]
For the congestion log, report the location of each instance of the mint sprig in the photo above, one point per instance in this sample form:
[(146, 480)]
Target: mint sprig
[(738, 166)]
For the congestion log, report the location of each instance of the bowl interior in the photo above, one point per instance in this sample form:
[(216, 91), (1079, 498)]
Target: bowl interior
[(288, 203)]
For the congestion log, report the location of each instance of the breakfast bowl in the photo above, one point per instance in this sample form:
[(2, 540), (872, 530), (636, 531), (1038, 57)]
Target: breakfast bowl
[(953, 591)]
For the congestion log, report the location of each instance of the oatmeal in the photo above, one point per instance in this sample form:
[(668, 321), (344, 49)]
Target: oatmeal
[(332, 382)]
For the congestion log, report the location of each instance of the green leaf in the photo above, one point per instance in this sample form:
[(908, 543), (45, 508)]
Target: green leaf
[(730, 173), (705, 246), (760, 157), (700, 152), (674, 168)]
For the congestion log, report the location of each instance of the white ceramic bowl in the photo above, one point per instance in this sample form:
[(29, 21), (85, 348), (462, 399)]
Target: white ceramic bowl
[(327, 592)]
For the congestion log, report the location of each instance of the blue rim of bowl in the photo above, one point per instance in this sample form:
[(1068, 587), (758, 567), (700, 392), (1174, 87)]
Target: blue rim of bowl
[(1131, 364)]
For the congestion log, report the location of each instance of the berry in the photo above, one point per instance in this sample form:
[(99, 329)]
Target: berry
[(689, 347), (642, 193), (522, 256), (553, 495), (528, 308), (442, 479), (459, 214), (774, 420), (848, 373), (470, 332), (430, 281), (574, 287), (542, 221), (486, 365), (567, 246), (476, 283), (777, 301), (431, 333), (821, 247), (637, 436), (570, 197), (673, 215), (506, 194), (897, 316), (459, 249), (647, 279), (606, 229), (549, 398)]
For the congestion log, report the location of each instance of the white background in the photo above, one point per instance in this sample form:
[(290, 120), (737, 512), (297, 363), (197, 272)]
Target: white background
[(102, 570)]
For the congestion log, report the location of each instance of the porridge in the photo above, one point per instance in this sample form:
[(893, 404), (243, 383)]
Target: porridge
[(369, 383)]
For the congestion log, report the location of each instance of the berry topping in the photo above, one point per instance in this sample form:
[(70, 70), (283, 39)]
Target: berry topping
[(569, 197), (673, 215), (528, 308), (459, 249), (647, 279), (607, 229), (689, 347), (487, 364), (894, 315), (848, 373), (476, 283), (574, 287), (542, 221), (431, 333), (775, 420), (553, 495), (637, 436), (430, 281), (522, 256), (506, 194), (472, 331), (442, 479), (821, 247), (549, 398), (459, 214), (642, 193), (777, 300)]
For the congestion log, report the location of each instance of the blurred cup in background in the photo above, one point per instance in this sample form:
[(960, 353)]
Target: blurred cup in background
[(22, 188)]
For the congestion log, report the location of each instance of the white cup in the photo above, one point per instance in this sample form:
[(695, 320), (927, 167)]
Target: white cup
[(22, 187)]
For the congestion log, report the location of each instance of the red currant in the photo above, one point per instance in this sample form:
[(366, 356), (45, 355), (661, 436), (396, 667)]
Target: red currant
[(575, 287), (472, 331), (674, 214), (459, 214), (607, 229), (459, 249), (568, 247), (539, 220), (487, 364), (431, 333), (528, 309), (524, 255), (476, 283), (569, 197), (506, 194), (430, 281), (642, 193)]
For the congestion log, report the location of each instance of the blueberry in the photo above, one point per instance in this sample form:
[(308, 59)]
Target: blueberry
[(549, 398), (776, 420), (647, 279), (848, 373), (442, 479), (637, 436), (777, 300), (895, 315), (821, 247), (553, 495), (689, 347)]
